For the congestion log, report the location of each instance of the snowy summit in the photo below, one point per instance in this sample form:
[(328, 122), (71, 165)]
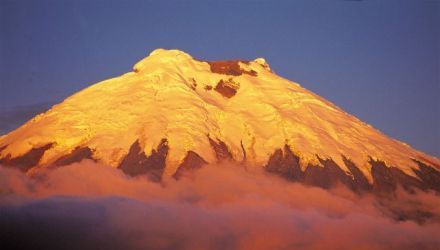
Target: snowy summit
[(174, 112)]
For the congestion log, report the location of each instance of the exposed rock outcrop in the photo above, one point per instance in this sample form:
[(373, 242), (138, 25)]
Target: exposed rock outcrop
[(137, 163), (231, 67), (328, 174), (77, 155), (28, 160)]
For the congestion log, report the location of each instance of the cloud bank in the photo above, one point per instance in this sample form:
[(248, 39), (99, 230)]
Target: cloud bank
[(89, 206)]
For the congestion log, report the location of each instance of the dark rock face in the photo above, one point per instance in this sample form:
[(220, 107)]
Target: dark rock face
[(226, 88), (328, 176), (77, 155), (285, 164), (230, 68), (192, 161), (360, 181), (385, 179), (26, 161), (137, 163), (221, 150), (429, 176)]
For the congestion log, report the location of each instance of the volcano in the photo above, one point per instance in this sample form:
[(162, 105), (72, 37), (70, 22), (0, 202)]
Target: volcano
[(174, 113)]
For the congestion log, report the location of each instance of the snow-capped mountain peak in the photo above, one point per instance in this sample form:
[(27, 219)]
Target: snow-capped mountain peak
[(173, 110)]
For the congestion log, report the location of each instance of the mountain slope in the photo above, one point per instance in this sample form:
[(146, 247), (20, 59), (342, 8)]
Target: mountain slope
[(174, 110)]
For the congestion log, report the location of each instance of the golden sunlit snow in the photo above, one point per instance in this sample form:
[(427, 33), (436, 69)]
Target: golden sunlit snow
[(171, 95)]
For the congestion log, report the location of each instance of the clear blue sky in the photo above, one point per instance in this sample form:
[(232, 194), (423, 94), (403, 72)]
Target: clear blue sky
[(378, 60)]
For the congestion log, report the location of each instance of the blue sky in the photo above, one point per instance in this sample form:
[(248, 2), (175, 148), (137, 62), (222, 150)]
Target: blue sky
[(378, 60)]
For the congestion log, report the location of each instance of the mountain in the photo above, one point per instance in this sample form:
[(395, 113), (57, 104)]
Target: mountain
[(173, 113)]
